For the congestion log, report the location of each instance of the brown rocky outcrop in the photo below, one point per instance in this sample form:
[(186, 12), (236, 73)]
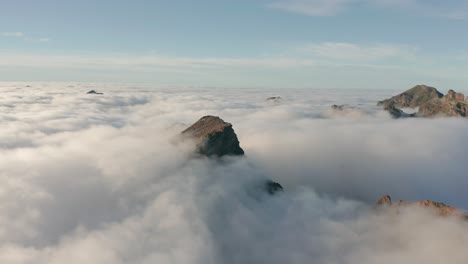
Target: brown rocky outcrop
[(437, 207), (413, 97), (443, 107), (214, 137), (455, 96)]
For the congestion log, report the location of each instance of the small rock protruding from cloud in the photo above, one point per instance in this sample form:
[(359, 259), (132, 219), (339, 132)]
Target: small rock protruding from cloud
[(274, 99), (93, 92)]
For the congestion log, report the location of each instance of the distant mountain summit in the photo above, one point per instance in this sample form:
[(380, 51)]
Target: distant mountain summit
[(429, 101), (413, 97)]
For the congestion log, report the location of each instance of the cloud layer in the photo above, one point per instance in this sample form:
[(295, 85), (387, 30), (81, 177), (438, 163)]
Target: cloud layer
[(103, 179), (457, 9)]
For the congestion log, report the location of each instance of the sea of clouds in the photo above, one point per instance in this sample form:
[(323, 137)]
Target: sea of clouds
[(105, 179)]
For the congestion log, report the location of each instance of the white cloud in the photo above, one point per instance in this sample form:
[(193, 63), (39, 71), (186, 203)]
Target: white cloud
[(352, 51), (23, 36), (101, 179), (12, 34), (452, 10), (148, 62), (313, 7)]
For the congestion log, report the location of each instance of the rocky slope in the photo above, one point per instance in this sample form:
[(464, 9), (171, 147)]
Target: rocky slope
[(413, 97), (437, 207)]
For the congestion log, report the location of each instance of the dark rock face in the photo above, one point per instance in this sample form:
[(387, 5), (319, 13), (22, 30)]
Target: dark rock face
[(413, 97), (214, 137), (344, 108), (437, 207), (275, 99), (396, 112), (340, 107), (273, 187), (93, 92)]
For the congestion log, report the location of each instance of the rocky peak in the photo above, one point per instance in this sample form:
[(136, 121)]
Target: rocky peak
[(214, 137), (413, 97)]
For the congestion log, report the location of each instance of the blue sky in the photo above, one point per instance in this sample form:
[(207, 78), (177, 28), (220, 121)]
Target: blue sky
[(237, 43)]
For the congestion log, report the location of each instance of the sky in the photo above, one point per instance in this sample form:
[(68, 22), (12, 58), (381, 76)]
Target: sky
[(371, 44)]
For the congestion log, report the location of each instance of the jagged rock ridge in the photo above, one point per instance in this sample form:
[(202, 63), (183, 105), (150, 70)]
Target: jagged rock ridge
[(431, 103), (452, 104), (437, 207)]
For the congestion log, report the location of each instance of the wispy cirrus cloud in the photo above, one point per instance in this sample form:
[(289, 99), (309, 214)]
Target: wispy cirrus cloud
[(12, 34), (457, 9), (313, 7), (353, 51), (23, 36), (146, 62)]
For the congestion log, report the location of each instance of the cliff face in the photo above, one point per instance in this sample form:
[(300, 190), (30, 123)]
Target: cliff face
[(413, 97), (214, 137)]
